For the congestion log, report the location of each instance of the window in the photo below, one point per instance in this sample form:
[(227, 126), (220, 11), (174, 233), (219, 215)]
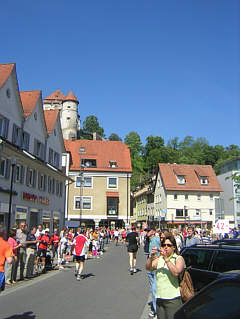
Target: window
[(61, 189), (226, 261), (198, 197), (88, 163), (181, 180), (84, 202), (186, 196), (17, 173), (179, 213), (2, 167), (210, 211), (68, 118), (50, 156), (39, 149), (4, 124), (56, 159), (26, 139), (82, 149), (175, 196), (85, 181), (17, 135), (40, 181), (204, 180), (30, 178), (112, 182), (211, 196), (112, 206), (198, 258), (197, 212), (113, 164)]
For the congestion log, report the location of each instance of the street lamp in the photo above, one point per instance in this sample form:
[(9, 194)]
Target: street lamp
[(13, 164)]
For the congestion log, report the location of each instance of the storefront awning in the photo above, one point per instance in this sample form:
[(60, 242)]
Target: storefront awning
[(112, 194)]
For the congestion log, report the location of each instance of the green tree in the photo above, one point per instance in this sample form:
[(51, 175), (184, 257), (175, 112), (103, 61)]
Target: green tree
[(133, 141), (153, 142), (91, 125), (114, 137)]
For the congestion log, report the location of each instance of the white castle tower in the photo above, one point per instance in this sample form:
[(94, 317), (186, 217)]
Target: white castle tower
[(68, 107)]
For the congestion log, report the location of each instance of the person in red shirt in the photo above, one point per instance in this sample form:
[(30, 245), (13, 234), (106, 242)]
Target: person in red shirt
[(44, 241), (6, 254), (81, 244), (55, 239)]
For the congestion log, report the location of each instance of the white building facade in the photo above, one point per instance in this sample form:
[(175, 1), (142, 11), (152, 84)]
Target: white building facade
[(186, 194), (31, 179)]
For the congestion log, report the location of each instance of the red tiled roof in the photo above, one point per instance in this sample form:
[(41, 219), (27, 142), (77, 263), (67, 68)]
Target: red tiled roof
[(5, 71), (71, 97), (29, 100), (50, 119), (102, 152), (57, 95), (192, 182)]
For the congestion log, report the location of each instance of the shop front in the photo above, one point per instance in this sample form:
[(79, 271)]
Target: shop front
[(4, 214), (21, 215), (46, 219)]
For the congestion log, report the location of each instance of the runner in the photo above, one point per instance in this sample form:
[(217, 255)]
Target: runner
[(81, 244), (6, 254), (116, 235), (133, 243)]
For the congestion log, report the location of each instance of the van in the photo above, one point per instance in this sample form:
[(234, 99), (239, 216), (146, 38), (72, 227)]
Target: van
[(208, 262)]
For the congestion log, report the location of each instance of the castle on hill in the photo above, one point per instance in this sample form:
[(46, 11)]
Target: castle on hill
[(68, 108)]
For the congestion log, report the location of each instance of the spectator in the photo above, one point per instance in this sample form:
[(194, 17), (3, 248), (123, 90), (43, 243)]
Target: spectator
[(31, 244), (205, 238), (6, 254), (11, 269), (154, 241), (21, 237), (55, 239), (169, 265), (39, 231), (44, 241), (191, 239)]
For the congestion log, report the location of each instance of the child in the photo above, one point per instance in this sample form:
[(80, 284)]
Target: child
[(94, 248)]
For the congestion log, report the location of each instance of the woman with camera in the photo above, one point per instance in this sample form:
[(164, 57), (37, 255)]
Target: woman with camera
[(169, 265)]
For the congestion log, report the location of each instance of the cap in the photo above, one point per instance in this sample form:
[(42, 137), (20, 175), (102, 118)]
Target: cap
[(47, 229)]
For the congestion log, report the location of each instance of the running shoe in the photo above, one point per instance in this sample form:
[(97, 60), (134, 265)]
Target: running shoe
[(134, 270), (78, 277)]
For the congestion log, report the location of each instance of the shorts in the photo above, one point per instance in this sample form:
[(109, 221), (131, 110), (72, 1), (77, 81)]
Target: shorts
[(132, 249), (41, 252), (79, 258), (2, 281)]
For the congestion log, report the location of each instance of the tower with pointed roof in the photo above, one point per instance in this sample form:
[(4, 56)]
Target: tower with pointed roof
[(68, 107)]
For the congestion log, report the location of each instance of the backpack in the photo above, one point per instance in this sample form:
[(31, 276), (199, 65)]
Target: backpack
[(186, 285)]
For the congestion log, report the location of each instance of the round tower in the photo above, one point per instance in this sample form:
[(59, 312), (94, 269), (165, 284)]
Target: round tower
[(69, 116)]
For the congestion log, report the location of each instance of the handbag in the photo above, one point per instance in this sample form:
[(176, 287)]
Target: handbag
[(186, 285)]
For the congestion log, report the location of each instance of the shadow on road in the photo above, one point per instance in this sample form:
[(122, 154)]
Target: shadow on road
[(84, 276), (25, 315)]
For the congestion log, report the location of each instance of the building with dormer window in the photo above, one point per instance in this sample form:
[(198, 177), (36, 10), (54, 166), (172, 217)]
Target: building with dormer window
[(32, 183), (186, 194), (100, 193)]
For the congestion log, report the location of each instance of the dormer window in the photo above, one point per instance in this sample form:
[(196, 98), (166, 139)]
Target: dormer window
[(113, 164), (204, 180), (82, 149), (88, 163), (181, 179)]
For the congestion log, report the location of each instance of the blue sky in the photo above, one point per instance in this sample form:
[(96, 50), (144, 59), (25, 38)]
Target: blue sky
[(162, 68)]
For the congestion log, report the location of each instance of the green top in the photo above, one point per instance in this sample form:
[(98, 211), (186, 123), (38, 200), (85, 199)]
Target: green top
[(167, 284)]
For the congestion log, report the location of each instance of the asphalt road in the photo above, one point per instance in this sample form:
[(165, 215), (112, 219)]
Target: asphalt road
[(108, 291)]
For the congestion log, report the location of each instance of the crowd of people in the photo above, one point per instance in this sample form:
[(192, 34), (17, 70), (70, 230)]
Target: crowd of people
[(29, 252)]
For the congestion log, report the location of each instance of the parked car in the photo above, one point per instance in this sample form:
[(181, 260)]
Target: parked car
[(208, 262), (218, 300), (231, 242)]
